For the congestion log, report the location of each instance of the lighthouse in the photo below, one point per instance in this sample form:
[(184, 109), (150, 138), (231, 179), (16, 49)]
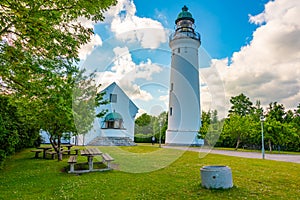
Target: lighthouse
[(184, 95)]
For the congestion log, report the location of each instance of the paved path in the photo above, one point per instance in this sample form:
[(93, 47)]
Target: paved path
[(278, 157)]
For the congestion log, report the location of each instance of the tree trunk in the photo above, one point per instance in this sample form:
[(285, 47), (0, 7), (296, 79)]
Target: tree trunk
[(237, 143), (59, 153), (270, 145)]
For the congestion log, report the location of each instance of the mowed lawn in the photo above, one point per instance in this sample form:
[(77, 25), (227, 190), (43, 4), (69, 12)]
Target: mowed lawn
[(163, 174)]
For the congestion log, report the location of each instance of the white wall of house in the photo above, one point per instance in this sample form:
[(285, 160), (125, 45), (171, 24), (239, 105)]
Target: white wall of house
[(122, 105)]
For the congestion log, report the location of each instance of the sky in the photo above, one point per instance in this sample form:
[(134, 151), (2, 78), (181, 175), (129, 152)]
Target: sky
[(249, 46)]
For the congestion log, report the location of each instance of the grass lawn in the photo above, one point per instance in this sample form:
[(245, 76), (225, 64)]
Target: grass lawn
[(24, 177)]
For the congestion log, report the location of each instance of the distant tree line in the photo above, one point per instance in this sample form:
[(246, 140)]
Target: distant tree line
[(242, 127), (147, 126)]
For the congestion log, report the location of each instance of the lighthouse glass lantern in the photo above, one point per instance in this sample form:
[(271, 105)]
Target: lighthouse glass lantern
[(184, 95)]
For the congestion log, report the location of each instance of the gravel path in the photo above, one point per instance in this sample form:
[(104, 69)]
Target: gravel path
[(278, 157)]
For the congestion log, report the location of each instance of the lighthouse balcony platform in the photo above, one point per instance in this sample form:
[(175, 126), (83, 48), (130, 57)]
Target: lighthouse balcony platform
[(185, 34)]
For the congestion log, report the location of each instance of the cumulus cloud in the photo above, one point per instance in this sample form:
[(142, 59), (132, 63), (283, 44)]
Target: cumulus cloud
[(130, 28), (125, 72), (87, 49), (268, 69)]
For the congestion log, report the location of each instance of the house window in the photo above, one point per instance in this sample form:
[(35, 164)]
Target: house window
[(113, 98), (171, 111)]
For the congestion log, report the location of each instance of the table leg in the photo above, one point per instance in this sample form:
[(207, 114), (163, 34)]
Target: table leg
[(90, 161), (44, 153)]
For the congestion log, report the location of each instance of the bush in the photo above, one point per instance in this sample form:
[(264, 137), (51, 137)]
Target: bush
[(142, 138)]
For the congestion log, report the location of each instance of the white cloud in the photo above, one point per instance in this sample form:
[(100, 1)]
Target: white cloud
[(95, 40), (131, 28), (87, 49), (125, 72), (268, 69)]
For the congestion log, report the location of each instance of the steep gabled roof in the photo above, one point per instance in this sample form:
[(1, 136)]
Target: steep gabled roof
[(115, 85)]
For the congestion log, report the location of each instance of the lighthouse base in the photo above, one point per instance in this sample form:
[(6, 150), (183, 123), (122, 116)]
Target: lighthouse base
[(183, 138)]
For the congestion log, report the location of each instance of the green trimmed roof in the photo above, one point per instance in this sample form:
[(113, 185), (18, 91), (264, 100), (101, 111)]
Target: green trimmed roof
[(113, 116), (184, 14)]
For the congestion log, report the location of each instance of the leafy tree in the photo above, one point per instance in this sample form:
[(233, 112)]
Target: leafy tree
[(276, 111), (85, 98), (162, 123), (238, 127), (241, 105), (205, 122), (15, 131), (211, 127), (147, 125), (143, 120), (38, 57)]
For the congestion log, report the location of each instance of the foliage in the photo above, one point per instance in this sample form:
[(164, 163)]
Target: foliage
[(151, 125), (238, 127), (244, 126), (143, 138), (38, 56), (143, 120), (85, 98), (241, 105), (15, 132), (211, 127)]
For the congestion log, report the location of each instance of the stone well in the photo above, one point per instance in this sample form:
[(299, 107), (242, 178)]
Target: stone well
[(216, 177)]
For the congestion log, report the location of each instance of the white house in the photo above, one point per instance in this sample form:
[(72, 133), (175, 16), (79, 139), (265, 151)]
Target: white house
[(117, 126)]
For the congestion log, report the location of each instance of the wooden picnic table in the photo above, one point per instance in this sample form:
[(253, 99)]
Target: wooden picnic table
[(45, 149), (69, 146), (90, 153)]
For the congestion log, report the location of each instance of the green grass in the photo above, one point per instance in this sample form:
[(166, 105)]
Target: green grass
[(24, 177)]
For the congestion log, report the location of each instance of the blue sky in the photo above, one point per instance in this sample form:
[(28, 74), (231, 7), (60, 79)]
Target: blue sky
[(249, 46), (223, 25)]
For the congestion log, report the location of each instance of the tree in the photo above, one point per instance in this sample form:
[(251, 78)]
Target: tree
[(85, 98), (147, 126), (238, 127), (274, 124), (205, 122), (15, 131), (143, 120), (241, 105), (38, 57)]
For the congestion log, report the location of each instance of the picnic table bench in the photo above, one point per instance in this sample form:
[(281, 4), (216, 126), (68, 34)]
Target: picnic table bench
[(72, 161), (90, 153), (107, 158), (37, 152)]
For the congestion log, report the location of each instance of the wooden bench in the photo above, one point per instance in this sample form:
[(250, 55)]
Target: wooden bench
[(107, 158), (72, 161), (37, 152)]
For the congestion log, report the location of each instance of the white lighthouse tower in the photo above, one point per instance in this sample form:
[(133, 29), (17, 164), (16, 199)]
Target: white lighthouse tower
[(184, 96)]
